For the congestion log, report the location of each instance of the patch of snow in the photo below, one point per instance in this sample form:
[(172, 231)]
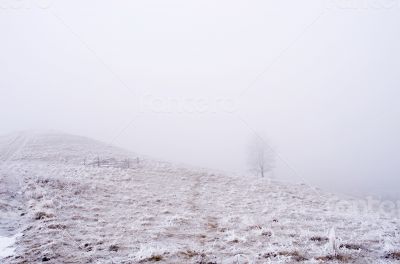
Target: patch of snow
[(7, 246)]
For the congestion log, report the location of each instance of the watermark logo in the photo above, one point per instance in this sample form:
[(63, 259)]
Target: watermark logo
[(361, 4), (25, 4), (364, 207), (186, 105)]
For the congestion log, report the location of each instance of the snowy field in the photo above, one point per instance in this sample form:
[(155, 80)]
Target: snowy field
[(75, 200)]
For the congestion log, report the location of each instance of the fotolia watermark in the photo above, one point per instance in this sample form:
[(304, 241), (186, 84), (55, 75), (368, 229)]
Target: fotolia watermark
[(362, 4), (364, 207), (25, 4), (186, 105)]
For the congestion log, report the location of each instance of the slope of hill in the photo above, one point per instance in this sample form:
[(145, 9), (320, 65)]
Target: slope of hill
[(75, 200)]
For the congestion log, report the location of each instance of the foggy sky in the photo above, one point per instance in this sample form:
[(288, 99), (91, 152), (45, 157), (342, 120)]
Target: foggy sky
[(194, 81)]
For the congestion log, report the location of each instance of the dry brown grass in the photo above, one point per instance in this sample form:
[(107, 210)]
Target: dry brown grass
[(190, 253), (42, 215), (155, 258), (339, 257), (294, 255), (319, 239), (56, 226), (351, 246), (212, 225), (255, 227), (393, 255), (267, 233), (114, 248)]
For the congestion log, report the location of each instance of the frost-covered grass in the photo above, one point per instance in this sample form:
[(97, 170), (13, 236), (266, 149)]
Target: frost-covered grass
[(156, 212)]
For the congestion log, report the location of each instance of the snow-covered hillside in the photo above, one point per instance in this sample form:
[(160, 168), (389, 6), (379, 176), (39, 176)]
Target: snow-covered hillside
[(76, 200)]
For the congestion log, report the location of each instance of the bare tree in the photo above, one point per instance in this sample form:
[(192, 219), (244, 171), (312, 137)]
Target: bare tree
[(261, 157)]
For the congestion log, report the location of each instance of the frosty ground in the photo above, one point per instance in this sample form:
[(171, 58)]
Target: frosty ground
[(75, 200)]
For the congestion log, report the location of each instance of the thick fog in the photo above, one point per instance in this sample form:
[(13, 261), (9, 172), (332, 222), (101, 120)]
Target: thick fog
[(194, 81)]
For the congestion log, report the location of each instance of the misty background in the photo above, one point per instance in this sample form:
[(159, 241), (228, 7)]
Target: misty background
[(193, 81)]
